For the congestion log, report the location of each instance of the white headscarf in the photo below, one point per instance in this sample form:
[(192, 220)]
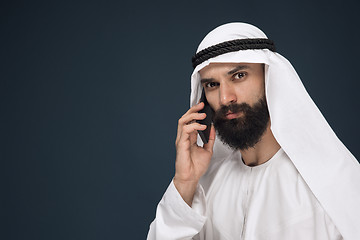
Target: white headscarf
[(327, 166)]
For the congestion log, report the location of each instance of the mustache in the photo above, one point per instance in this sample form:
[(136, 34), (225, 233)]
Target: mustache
[(233, 108)]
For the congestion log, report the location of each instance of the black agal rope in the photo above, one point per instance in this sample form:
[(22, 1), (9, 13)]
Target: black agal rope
[(232, 46)]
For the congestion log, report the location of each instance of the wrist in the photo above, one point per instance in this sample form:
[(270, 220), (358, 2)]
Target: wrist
[(186, 189)]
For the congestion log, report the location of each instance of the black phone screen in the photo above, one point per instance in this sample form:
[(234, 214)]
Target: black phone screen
[(204, 134)]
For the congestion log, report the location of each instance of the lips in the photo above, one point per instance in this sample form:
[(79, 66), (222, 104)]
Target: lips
[(230, 115)]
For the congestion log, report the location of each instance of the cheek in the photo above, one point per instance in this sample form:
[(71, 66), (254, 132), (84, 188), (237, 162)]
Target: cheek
[(213, 100), (261, 88), (245, 92), (250, 93), (258, 91)]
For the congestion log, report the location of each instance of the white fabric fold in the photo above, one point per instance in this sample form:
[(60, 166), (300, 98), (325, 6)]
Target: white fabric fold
[(177, 220)]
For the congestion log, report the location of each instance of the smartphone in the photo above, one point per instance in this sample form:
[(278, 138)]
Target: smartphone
[(204, 134)]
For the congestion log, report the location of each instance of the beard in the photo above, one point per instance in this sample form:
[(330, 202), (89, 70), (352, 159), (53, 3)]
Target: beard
[(245, 131)]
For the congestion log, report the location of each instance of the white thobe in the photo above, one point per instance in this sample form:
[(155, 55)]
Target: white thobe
[(270, 201)]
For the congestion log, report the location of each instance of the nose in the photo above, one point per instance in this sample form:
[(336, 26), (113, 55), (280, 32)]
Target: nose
[(227, 94)]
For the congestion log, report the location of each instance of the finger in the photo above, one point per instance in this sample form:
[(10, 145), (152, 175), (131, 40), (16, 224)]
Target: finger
[(210, 145), (187, 130), (193, 138), (195, 108), (190, 115), (186, 119)]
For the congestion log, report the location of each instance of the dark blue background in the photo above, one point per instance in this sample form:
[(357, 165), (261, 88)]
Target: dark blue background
[(91, 93)]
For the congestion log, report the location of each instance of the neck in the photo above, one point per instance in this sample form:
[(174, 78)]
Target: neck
[(262, 151)]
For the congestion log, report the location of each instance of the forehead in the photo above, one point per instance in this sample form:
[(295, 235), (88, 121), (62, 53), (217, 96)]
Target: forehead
[(214, 69)]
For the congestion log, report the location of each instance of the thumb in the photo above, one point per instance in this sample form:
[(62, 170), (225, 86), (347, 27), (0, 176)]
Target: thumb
[(209, 146)]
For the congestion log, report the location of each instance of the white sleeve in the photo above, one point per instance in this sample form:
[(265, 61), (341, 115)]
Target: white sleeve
[(177, 220)]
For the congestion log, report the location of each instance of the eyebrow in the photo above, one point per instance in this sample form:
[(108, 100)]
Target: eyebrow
[(237, 68), (206, 80)]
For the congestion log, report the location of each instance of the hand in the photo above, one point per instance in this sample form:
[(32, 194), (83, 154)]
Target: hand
[(192, 160)]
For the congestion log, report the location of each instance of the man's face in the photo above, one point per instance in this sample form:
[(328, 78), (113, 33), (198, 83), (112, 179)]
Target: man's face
[(236, 92)]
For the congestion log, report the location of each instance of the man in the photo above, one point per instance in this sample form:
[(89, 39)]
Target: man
[(278, 171)]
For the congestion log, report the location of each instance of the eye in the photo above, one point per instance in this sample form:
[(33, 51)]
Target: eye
[(239, 75), (211, 84)]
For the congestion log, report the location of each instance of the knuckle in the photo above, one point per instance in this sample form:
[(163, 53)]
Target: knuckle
[(182, 144), (185, 128)]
